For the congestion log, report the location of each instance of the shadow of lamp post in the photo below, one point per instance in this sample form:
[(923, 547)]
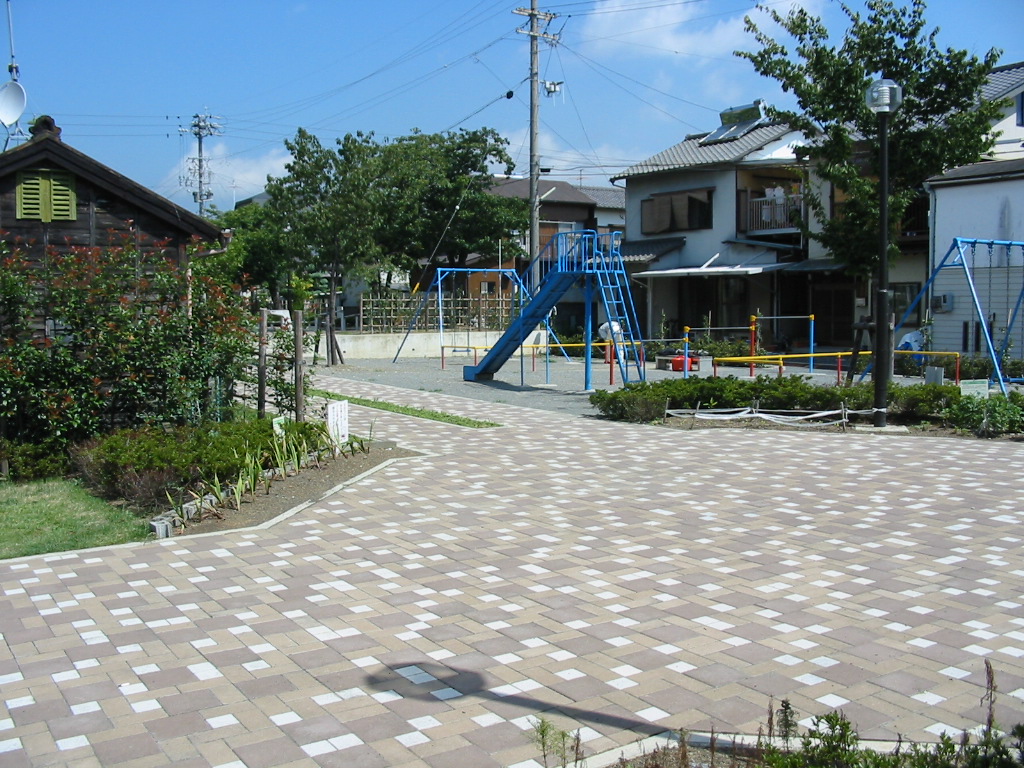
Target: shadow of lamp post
[(883, 98)]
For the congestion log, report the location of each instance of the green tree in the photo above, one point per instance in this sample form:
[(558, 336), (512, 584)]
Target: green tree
[(132, 339), (329, 202), (444, 208), (261, 253), (942, 123)]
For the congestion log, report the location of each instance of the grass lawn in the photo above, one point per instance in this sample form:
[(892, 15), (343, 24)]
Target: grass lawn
[(407, 410), (57, 516)]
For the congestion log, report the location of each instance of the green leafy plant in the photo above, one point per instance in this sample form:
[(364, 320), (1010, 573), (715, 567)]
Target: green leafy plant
[(985, 417), (556, 744), (787, 722)]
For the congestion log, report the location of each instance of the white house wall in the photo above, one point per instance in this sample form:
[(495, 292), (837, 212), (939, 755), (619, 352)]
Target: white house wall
[(1008, 143), (701, 244), (991, 211)]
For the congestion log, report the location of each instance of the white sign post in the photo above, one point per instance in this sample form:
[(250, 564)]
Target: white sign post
[(337, 421)]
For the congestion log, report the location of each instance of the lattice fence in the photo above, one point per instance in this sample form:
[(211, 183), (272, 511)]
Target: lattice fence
[(393, 313)]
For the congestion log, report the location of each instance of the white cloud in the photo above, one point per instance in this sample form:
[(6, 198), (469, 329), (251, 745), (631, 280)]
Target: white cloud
[(695, 30), (664, 30), (232, 176)]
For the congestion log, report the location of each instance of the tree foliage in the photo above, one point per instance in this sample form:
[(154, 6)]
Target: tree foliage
[(129, 341), (260, 251), (366, 209), (942, 123), (444, 181)]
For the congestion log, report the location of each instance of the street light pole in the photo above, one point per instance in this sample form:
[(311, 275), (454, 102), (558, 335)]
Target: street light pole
[(883, 97)]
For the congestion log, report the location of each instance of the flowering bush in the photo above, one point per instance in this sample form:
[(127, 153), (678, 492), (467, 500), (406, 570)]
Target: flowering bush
[(95, 338)]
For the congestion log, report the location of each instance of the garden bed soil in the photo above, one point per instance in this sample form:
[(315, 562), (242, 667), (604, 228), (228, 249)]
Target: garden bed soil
[(310, 485)]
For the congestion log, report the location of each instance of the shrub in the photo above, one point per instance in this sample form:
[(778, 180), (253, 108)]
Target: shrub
[(138, 340), (919, 402), (985, 416), (143, 466), (638, 400), (28, 461)]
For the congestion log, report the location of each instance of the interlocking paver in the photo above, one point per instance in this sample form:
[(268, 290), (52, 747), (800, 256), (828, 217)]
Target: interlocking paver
[(625, 579)]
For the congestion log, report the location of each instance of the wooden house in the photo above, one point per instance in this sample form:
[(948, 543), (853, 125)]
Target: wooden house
[(54, 197)]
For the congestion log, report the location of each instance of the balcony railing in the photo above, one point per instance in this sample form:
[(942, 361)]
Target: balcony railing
[(779, 212)]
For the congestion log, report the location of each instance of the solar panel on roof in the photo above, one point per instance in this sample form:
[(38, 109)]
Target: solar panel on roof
[(731, 132)]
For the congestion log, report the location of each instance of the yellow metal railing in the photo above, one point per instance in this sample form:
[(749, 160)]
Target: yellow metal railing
[(779, 359)]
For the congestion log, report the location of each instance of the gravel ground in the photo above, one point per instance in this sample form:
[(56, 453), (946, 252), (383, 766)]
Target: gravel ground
[(559, 387)]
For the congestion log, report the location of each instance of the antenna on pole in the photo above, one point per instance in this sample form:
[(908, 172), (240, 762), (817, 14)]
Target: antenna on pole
[(12, 95), (12, 68), (198, 167)]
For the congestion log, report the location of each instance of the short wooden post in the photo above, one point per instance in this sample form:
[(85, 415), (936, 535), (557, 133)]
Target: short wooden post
[(300, 366), (261, 367)]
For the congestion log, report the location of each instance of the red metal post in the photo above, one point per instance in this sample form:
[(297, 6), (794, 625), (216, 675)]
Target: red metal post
[(753, 341)]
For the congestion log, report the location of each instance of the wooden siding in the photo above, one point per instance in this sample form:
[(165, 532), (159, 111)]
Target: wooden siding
[(102, 220)]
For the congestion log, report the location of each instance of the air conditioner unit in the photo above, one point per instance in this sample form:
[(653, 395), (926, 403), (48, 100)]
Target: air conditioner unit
[(942, 302)]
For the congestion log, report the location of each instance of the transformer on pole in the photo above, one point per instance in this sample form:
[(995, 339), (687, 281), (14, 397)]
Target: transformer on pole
[(198, 167)]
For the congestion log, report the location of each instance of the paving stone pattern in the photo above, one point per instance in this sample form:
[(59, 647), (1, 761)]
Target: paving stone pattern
[(623, 579)]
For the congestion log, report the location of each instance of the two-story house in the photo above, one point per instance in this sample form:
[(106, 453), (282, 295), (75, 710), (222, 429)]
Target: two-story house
[(716, 218), (713, 216)]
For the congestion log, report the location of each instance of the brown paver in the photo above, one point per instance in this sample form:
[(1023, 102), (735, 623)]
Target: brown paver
[(619, 578)]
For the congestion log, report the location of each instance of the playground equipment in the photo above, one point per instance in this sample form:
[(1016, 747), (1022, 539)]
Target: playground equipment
[(436, 289), (753, 330), (957, 256), (568, 258)]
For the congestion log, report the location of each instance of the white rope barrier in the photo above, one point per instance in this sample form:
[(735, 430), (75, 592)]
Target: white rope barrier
[(788, 418)]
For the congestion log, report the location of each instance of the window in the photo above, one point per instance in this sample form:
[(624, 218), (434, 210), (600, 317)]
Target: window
[(488, 287), (47, 195), (1020, 109), (901, 296), (676, 211)]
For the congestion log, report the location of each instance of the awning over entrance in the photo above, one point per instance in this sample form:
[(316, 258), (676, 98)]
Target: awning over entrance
[(745, 265), (738, 270), (816, 265)]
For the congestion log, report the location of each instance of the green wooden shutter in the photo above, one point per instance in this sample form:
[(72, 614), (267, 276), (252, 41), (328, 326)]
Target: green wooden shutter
[(30, 196), (62, 196), (47, 195)]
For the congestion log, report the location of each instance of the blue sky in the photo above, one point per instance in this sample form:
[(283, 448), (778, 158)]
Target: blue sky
[(122, 78)]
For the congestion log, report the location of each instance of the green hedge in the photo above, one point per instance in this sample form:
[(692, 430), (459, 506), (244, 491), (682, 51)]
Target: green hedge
[(644, 401), (142, 466)]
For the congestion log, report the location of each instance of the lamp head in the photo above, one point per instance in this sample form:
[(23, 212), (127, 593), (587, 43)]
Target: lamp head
[(884, 96)]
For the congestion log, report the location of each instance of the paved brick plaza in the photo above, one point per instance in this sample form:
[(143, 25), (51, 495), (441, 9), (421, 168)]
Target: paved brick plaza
[(624, 579)]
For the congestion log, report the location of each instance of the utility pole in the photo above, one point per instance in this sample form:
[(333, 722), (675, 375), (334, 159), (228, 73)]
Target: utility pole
[(198, 169), (535, 35)]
